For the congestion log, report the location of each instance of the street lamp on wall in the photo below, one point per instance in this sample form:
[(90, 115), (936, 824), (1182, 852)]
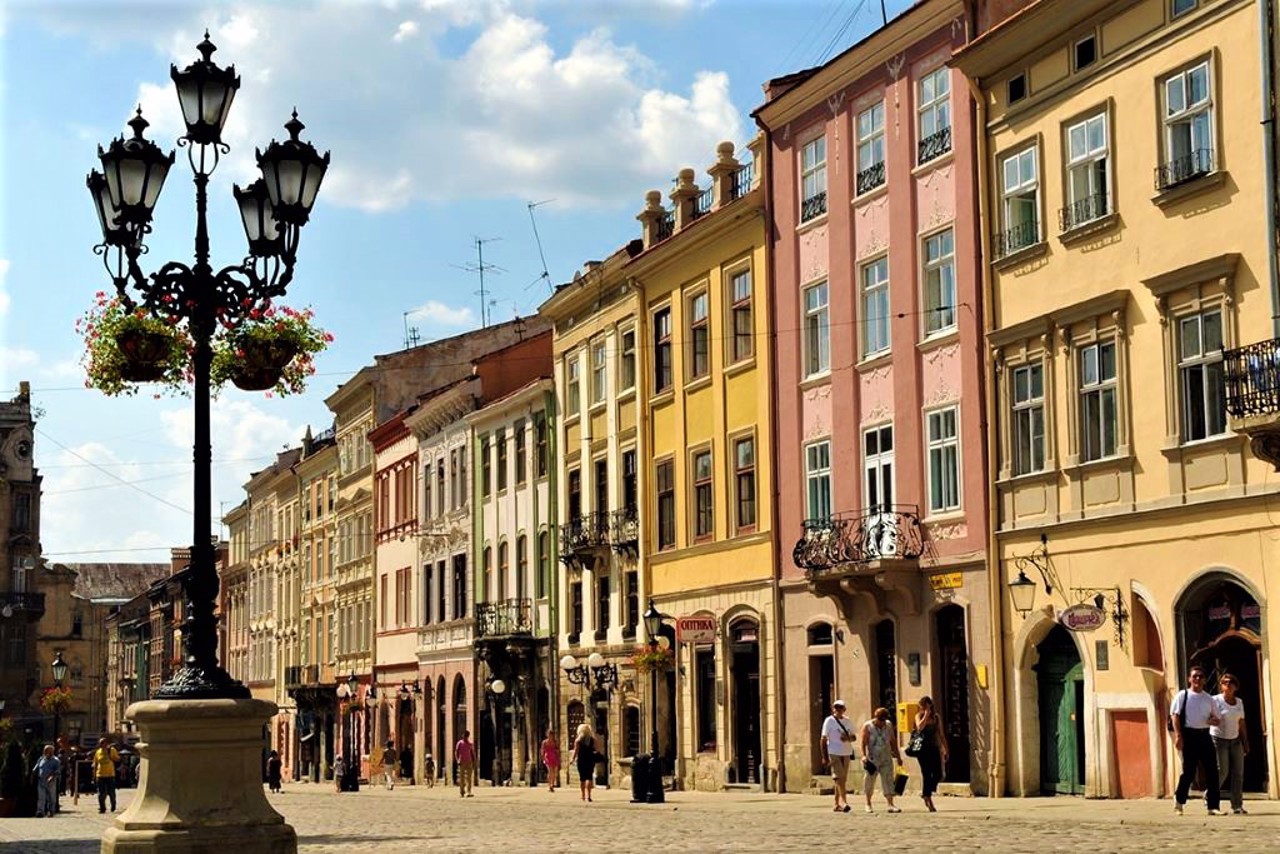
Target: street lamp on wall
[(1022, 591)]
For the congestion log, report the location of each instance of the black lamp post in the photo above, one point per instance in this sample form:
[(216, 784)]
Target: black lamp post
[(59, 668), (497, 688), (273, 211), (652, 625)]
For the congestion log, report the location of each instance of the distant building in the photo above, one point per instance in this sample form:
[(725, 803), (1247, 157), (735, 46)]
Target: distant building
[(21, 602)]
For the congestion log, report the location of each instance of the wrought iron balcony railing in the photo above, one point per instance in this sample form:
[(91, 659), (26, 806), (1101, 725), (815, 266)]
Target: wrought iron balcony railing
[(702, 203), (934, 145), (30, 602), (870, 178), (891, 531), (666, 226), (508, 617), (1252, 376), (588, 531), (814, 206), (1018, 237), (742, 180), (1184, 168), (1083, 211), (293, 676), (625, 529)]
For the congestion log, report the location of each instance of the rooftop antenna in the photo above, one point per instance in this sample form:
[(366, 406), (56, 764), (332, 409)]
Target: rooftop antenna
[(480, 268), (411, 336), (545, 277)]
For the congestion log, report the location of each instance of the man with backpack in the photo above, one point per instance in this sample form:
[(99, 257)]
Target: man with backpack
[(1191, 714)]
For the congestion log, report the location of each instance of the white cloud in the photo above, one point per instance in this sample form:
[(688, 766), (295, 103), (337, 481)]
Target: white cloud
[(407, 29), (4, 294), (435, 311), (17, 363)]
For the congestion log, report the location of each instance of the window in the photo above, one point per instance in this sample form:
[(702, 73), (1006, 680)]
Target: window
[(817, 331), (631, 730), (1088, 172), (631, 587), (744, 475), (544, 565), (870, 148), (382, 602), (662, 350), (665, 480), (742, 336), (77, 624), (1188, 126), (522, 467), (629, 498), (935, 114), (459, 587), (602, 485), (599, 371), (817, 477), (462, 477), (1021, 203), (402, 596), (575, 494), (540, 443), (602, 606), (1204, 412), (575, 611), (813, 179), (573, 398), (704, 510), (440, 486), (522, 567), (875, 307), (1016, 89), (1180, 6), (486, 468), (877, 461), (504, 567), (1086, 52), (704, 669), (21, 512), (441, 589), (699, 336), (1028, 419), (627, 364), (486, 563), (1098, 416), (939, 283), (944, 461), (427, 506), (501, 439)]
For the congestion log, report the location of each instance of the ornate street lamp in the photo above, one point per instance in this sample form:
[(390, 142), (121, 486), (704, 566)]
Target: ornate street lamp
[(654, 793), (496, 689), (125, 194), (59, 668), (1022, 591)]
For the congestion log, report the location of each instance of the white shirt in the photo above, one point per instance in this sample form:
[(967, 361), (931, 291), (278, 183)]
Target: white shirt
[(839, 735), (1199, 706), (1231, 717)]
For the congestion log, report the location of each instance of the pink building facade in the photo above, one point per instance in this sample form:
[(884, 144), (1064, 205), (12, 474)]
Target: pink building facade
[(881, 467)]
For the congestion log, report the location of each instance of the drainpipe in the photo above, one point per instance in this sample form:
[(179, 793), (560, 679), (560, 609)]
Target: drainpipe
[(1267, 27), (996, 768)]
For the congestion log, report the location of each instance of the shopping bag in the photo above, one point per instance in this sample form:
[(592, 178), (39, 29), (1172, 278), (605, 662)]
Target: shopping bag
[(900, 780)]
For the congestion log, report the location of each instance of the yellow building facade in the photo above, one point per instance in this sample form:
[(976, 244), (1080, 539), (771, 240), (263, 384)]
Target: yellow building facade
[(708, 542), (1124, 213)]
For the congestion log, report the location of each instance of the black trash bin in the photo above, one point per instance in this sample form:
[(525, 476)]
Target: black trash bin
[(656, 793), (640, 779)]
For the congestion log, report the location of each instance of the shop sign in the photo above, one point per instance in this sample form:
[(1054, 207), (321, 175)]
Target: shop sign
[(946, 580), (1082, 618), (700, 629)]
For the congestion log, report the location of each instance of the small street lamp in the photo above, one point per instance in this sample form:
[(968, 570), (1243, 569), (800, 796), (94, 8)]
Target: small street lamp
[(59, 668), (1022, 591), (496, 689), (596, 670), (654, 793)]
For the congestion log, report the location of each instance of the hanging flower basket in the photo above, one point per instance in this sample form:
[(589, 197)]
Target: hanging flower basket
[(55, 700), (271, 350), (646, 660), (125, 347)]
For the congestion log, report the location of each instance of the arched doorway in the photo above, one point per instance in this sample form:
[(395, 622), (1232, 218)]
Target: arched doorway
[(1060, 683), (600, 704), (822, 686), (443, 757), (953, 689), (886, 672), (1220, 629), (744, 670), (460, 724)]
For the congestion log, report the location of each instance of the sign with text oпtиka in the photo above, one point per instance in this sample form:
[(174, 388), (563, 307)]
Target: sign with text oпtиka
[(1082, 618), (699, 629)]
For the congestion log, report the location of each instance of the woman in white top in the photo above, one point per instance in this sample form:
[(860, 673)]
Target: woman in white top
[(1231, 739), (879, 756)]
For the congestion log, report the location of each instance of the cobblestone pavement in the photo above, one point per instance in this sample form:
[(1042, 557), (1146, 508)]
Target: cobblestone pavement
[(418, 819)]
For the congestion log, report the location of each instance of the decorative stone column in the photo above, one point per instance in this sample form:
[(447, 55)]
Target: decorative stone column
[(722, 172), (683, 198), (650, 217), (201, 783)]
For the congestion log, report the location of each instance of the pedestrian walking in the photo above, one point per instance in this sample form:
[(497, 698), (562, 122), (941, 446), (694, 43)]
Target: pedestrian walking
[(406, 764), (389, 765), (429, 771), (585, 756), (551, 758), (837, 749), (339, 772), (1230, 741), (933, 750), (1191, 714), (879, 745), (273, 771), (104, 773), (47, 770), (464, 754)]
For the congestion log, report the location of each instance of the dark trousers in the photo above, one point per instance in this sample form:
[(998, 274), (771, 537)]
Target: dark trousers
[(930, 760), (106, 788), (1198, 751)]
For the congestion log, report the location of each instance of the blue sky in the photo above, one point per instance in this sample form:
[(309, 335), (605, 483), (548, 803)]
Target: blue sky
[(445, 118)]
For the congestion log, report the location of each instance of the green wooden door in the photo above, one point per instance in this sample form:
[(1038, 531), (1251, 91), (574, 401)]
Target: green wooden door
[(1060, 676)]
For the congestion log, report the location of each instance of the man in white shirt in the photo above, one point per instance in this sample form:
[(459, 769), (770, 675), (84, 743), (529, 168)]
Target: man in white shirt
[(837, 742), (1193, 711)]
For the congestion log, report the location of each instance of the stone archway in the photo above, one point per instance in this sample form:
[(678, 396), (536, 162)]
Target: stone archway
[(1024, 738)]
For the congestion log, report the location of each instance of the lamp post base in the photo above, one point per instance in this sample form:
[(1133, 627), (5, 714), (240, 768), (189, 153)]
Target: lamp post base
[(201, 783)]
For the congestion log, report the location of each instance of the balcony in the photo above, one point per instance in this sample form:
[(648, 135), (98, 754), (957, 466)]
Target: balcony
[(702, 203), (666, 226), (624, 531), (445, 637), (870, 552), (870, 178), (583, 537), (505, 618), (813, 207), (742, 181), (934, 146), (32, 604), (301, 676), (1185, 168), (1013, 240), (1082, 212), (1252, 377)]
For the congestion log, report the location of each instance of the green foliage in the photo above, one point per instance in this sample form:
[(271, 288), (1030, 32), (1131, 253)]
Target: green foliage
[(280, 329), (106, 363)]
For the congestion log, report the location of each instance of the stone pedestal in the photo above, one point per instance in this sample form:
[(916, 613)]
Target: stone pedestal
[(201, 783)]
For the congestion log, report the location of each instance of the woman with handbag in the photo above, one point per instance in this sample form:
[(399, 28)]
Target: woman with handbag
[(929, 746), (879, 756)]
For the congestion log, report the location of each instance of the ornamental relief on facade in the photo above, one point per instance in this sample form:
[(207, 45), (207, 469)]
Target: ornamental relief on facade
[(947, 531), (813, 254)]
